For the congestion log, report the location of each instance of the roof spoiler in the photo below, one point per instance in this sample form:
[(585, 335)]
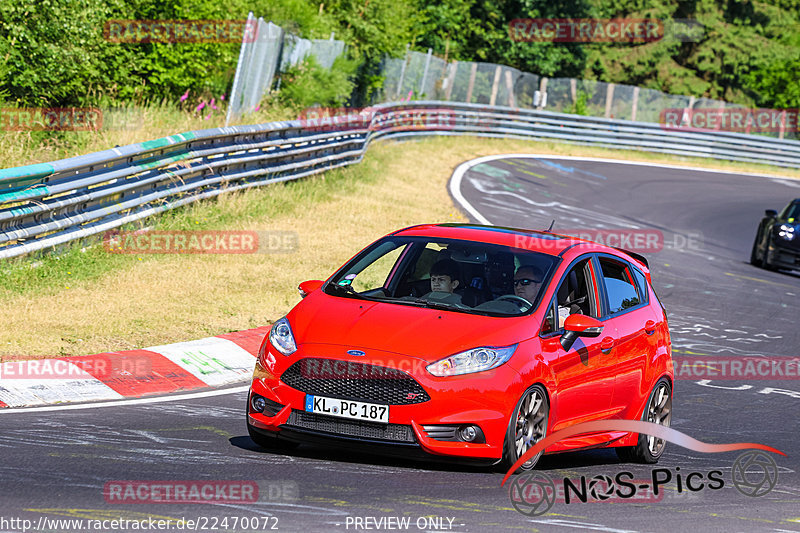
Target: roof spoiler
[(638, 257)]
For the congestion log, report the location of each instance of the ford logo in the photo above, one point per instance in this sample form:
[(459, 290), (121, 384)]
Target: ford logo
[(357, 353)]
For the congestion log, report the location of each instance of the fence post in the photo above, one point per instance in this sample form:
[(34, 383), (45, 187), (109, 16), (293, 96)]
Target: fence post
[(783, 124), (450, 80), (573, 90), (542, 93), (237, 78), (471, 85), (609, 99), (402, 75), (495, 83), (512, 102), (635, 105), (425, 73)]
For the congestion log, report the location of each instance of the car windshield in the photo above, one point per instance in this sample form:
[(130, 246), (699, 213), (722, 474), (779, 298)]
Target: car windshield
[(462, 276), (792, 213)]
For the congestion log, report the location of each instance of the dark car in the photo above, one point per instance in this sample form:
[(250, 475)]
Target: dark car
[(777, 244)]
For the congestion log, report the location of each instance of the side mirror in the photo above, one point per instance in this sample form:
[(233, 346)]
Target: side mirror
[(579, 326), (771, 213), (307, 287)]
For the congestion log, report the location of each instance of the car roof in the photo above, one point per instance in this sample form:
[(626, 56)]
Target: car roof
[(536, 241)]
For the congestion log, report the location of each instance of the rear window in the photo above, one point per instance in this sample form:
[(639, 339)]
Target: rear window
[(620, 285)]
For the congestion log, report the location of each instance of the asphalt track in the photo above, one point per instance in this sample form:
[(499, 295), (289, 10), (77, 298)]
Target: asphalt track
[(54, 462)]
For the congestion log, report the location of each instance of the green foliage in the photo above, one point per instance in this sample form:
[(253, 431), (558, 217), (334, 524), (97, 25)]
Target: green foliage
[(747, 52), (53, 53), (580, 107), (308, 84), (478, 30)]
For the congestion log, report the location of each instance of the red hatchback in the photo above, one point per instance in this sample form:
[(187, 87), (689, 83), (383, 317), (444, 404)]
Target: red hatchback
[(472, 342)]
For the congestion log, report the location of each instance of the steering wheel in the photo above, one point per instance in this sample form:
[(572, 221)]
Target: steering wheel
[(523, 304)]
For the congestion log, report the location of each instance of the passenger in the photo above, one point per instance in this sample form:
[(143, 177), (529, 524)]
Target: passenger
[(444, 281)]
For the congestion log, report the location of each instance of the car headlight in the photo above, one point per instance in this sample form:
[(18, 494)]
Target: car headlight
[(475, 360), (281, 337), (786, 231)]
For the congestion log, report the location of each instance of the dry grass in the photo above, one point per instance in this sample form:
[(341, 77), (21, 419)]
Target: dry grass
[(119, 127), (133, 302)]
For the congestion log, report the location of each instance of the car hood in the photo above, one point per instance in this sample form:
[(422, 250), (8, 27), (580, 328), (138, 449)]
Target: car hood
[(429, 334)]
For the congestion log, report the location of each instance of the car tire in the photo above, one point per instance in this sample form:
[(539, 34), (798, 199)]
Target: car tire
[(754, 259), (765, 259), (659, 410), (526, 427)]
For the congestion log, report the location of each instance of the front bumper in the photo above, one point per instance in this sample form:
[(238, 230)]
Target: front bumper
[(784, 255), (484, 399)]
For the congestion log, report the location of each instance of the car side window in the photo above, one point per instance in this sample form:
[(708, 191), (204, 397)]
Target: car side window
[(575, 294), (641, 282), (620, 287), (548, 326)]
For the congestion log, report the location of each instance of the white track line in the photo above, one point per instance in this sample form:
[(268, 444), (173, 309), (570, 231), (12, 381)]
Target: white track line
[(122, 403), (458, 174)]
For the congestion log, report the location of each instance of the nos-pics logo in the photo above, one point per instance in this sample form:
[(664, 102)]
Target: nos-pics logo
[(754, 473)]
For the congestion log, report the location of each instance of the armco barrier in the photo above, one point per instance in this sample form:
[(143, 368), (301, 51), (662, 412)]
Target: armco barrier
[(48, 204)]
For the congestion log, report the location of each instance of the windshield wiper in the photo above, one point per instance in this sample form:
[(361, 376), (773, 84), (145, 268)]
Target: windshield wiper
[(435, 305)]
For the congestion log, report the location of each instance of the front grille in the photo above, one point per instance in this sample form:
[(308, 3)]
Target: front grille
[(351, 428), (354, 381)]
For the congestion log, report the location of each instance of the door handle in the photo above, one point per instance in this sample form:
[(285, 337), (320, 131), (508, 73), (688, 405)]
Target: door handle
[(649, 327), (607, 344)]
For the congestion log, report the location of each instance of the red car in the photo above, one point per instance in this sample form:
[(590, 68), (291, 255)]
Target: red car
[(470, 342)]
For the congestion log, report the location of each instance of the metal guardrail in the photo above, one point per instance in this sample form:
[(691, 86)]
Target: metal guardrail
[(48, 204)]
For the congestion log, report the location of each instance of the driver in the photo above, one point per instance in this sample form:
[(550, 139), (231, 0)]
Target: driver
[(527, 280)]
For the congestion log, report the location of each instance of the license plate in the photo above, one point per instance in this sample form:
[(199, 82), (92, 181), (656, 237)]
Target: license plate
[(372, 412)]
